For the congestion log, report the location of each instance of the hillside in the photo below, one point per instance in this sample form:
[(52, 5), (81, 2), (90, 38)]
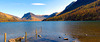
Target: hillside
[(76, 4), (52, 15), (8, 18), (83, 13), (41, 17), (32, 17)]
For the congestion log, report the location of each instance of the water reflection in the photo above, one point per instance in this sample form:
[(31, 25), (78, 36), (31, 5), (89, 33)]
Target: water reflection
[(51, 31), (84, 31)]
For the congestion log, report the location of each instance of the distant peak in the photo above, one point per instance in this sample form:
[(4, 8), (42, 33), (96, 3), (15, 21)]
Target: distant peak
[(85, 0), (29, 13), (56, 12), (74, 1)]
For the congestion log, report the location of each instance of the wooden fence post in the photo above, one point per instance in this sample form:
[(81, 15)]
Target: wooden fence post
[(25, 36), (5, 34), (36, 33)]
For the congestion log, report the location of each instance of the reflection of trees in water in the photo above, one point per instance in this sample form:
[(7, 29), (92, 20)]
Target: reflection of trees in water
[(84, 30)]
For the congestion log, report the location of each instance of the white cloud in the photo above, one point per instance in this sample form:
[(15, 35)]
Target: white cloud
[(38, 4)]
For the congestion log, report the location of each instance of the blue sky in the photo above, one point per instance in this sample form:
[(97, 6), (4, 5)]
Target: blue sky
[(38, 7)]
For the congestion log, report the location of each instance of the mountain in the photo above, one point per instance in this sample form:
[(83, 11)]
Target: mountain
[(87, 12), (41, 17), (8, 18), (76, 4), (32, 17), (70, 4), (52, 15)]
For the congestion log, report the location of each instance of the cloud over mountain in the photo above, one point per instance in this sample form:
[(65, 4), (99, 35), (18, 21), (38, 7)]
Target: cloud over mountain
[(38, 4)]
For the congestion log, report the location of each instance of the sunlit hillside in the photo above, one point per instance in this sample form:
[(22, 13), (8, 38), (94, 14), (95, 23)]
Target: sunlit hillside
[(8, 18), (83, 13)]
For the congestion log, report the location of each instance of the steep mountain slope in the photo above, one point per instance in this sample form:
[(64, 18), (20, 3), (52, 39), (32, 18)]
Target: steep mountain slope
[(75, 5), (70, 4), (86, 12), (32, 17), (52, 15), (41, 17), (8, 18)]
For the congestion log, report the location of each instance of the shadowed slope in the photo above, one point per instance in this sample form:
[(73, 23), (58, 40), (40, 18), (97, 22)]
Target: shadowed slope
[(32, 17), (86, 12), (76, 4)]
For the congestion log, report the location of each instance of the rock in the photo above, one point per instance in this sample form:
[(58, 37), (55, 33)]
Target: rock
[(65, 38), (39, 36), (16, 39), (59, 37), (20, 38), (66, 34), (73, 37), (12, 40), (74, 41), (86, 34)]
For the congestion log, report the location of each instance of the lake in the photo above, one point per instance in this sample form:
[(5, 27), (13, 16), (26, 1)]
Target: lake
[(79, 31)]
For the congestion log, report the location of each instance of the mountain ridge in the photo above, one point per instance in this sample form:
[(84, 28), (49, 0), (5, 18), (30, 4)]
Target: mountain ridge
[(83, 13), (76, 4), (32, 17), (8, 18)]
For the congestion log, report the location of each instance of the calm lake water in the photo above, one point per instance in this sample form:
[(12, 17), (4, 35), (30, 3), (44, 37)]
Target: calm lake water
[(51, 30)]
